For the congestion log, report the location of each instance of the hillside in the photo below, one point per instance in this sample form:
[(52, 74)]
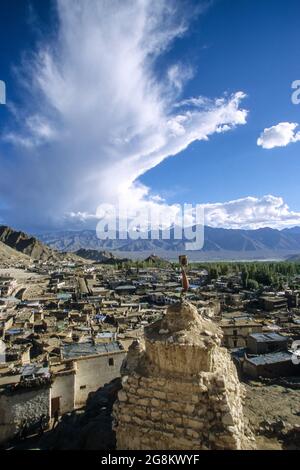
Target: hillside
[(19, 245), (104, 257), (25, 244), (9, 256)]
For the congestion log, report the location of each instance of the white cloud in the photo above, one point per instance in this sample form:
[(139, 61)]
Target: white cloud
[(178, 74), (38, 131), (280, 135), (244, 213), (98, 117), (251, 213)]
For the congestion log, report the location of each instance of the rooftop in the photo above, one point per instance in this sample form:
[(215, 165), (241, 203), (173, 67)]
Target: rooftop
[(267, 337), (271, 358), (75, 350), (34, 370)]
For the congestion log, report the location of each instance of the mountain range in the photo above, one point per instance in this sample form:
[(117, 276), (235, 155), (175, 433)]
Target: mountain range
[(220, 243)]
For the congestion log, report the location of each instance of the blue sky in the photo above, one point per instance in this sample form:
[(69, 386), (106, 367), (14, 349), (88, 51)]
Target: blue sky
[(57, 164), (242, 45)]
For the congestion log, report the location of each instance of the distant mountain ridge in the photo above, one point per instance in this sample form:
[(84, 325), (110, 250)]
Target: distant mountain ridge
[(220, 243), (294, 258), (262, 241)]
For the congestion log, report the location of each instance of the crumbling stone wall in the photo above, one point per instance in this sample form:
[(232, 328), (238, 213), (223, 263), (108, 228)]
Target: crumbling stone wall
[(180, 389), (15, 407)]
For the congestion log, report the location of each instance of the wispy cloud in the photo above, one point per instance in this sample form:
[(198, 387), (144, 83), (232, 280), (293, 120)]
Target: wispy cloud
[(178, 74), (280, 135), (99, 117)]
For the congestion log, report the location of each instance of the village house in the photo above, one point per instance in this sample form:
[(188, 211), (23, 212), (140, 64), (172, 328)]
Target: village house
[(262, 343), (270, 304), (271, 365), (237, 330), (82, 369)]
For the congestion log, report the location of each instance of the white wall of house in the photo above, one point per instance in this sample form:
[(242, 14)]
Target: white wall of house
[(72, 387), (63, 387), (94, 372)]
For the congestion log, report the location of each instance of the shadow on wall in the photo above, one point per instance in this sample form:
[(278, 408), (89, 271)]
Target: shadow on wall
[(89, 428)]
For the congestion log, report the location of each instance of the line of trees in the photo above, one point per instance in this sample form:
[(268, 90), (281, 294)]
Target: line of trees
[(255, 274)]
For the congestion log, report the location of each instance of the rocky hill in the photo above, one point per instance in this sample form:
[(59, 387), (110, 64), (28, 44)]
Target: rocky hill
[(9, 256), (156, 260), (25, 244), (104, 257), (16, 244)]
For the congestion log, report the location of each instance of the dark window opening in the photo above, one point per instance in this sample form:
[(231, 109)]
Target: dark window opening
[(111, 361)]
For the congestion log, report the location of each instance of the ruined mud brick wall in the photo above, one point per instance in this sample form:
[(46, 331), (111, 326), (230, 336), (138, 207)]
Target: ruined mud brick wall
[(21, 404), (180, 389)]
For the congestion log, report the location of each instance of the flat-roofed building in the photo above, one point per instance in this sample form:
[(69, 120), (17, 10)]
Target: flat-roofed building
[(237, 330), (262, 343), (273, 303), (271, 365)]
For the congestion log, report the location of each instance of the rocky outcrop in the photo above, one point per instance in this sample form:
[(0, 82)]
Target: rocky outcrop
[(180, 389), (157, 261), (104, 257), (30, 246), (25, 244)]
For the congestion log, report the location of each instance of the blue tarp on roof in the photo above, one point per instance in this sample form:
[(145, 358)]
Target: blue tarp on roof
[(34, 369), (105, 334), (64, 296), (15, 331), (100, 317), (238, 352)]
